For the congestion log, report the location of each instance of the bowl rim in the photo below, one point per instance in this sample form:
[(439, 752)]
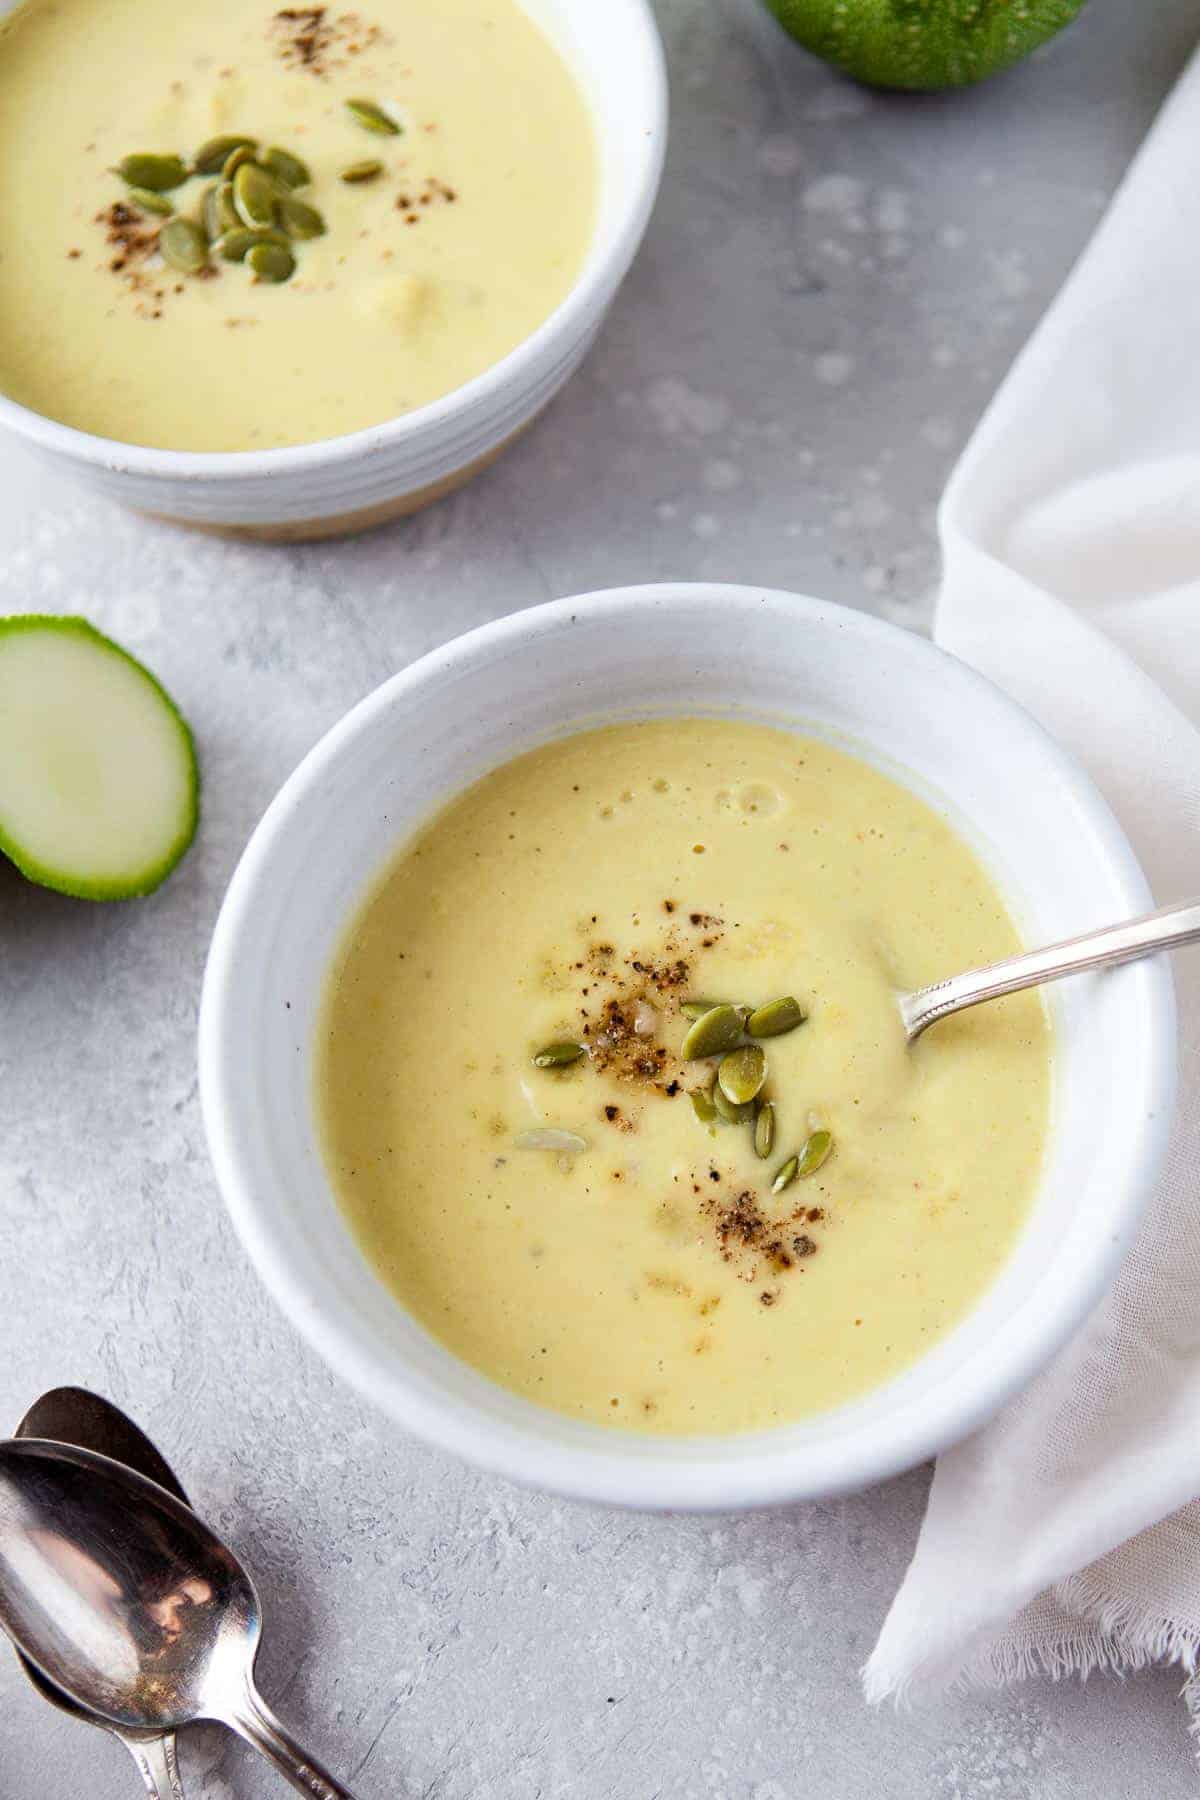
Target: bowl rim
[(567, 324), (666, 1477)]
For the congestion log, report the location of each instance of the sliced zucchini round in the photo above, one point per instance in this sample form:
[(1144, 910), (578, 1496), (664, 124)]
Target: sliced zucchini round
[(99, 788)]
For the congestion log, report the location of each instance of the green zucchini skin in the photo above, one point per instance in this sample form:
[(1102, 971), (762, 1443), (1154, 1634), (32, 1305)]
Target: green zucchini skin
[(923, 46)]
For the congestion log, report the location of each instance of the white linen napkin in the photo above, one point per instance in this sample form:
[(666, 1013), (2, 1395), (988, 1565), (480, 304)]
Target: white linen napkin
[(1065, 1535)]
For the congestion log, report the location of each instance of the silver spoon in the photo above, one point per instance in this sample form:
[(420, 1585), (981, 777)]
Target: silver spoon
[(131, 1606), (71, 1415), (1094, 950)]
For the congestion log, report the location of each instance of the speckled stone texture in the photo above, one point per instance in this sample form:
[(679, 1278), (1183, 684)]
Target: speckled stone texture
[(832, 286)]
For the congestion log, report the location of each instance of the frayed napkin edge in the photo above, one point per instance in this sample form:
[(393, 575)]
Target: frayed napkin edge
[(1113, 1637)]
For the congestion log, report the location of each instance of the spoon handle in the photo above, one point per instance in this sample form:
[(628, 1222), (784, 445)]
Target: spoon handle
[(253, 1720), (157, 1764), (1094, 950)]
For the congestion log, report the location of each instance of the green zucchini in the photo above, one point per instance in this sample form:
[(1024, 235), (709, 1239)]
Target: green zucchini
[(99, 787)]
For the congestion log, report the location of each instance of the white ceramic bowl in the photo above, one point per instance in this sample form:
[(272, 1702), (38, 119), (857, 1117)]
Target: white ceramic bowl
[(1032, 814), (352, 482)]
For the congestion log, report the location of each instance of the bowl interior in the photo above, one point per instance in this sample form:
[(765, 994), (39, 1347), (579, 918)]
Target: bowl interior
[(614, 54), (1048, 839)]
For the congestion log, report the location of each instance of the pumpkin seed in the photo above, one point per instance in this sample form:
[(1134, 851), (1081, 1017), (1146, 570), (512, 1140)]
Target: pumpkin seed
[(300, 220), (815, 1152), (373, 118), (232, 246), (241, 153), (158, 173), (362, 171), (727, 1109), (271, 262), (715, 1030), (551, 1137), (183, 246), (776, 1017), (236, 244), (211, 157), (254, 196), (702, 1105), (696, 1009), (764, 1130), (785, 1174), (150, 202), (218, 211), (285, 167), (741, 1073), (559, 1054)]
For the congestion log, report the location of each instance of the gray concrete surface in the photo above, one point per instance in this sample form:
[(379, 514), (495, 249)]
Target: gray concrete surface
[(832, 286)]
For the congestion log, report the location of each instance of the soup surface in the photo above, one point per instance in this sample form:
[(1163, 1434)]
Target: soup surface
[(431, 269), (635, 1261)]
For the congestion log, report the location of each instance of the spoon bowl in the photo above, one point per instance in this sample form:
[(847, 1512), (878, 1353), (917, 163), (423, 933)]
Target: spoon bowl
[(72, 1415), (130, 1605)]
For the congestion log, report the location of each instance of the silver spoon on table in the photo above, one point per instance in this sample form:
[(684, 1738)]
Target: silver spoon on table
[(131, 1606), (70, 1415), (1101, 949)]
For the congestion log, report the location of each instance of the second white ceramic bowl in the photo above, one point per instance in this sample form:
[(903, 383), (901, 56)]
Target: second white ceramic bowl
[(1049, 839), (350, 483)]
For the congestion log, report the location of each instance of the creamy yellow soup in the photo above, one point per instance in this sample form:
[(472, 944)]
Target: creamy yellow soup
[(429, 271), (589, 1235)]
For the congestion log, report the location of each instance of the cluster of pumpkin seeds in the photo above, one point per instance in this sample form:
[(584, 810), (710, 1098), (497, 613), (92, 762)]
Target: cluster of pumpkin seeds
[(735, 1094), (250, 212)]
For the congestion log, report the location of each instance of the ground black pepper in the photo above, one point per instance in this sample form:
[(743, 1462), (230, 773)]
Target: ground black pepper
[(132, 239), (749, 1237), (314, 38)]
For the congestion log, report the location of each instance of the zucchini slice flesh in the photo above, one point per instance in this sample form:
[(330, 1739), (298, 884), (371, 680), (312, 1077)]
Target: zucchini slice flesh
[(99, 788)]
